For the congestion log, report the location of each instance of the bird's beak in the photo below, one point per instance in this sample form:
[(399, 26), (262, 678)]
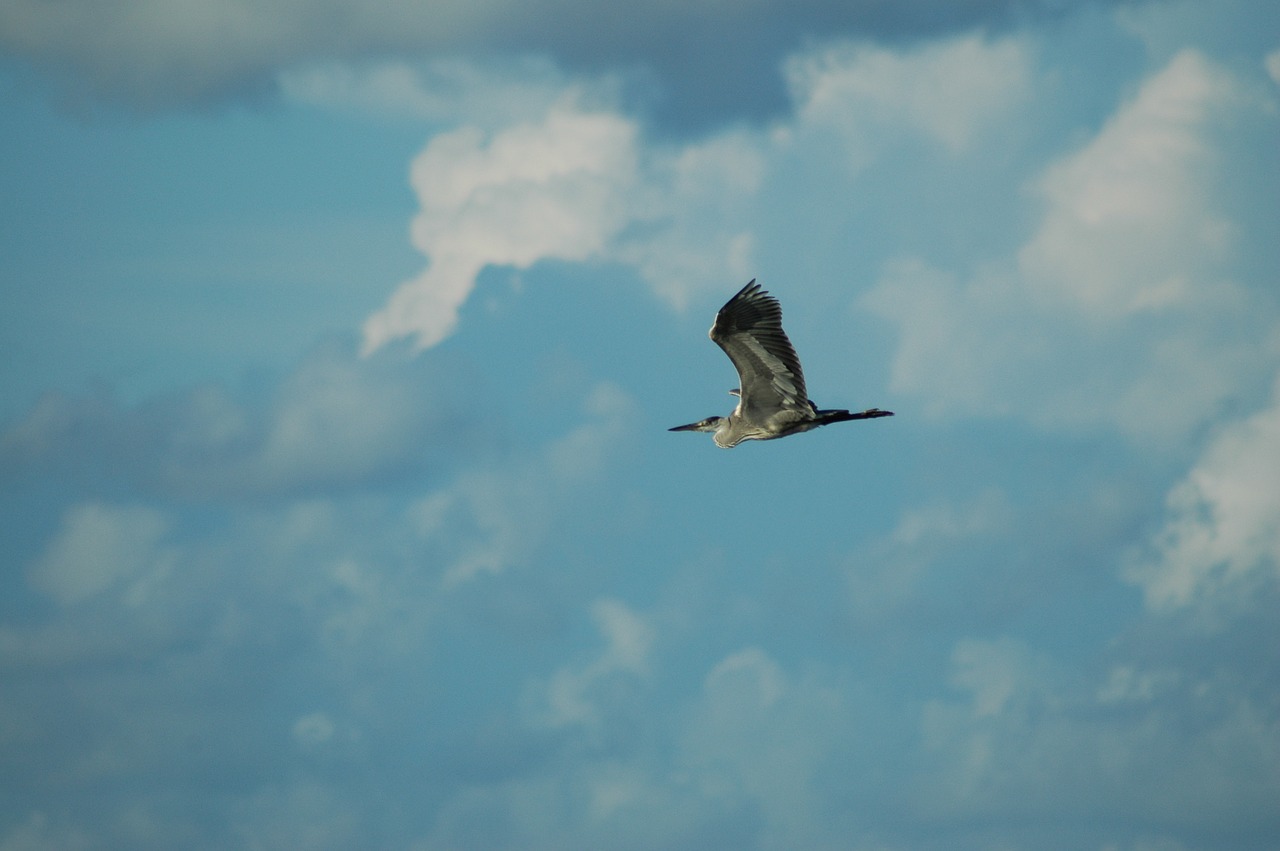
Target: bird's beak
[(689, 427)]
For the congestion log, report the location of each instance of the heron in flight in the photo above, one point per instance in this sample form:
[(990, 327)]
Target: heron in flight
[(772, 401)]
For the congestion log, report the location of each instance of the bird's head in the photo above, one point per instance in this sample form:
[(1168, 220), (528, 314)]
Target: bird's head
[(710, 424)]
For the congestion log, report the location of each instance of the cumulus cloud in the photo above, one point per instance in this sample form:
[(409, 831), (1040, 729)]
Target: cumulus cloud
[(1126, 229), (1121, 310), (691, 226), (554, 189), (947, 91), (578, 184), (1222, 535), (583, 183)]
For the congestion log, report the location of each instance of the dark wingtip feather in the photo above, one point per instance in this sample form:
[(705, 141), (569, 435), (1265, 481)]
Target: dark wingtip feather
[(836, 416)]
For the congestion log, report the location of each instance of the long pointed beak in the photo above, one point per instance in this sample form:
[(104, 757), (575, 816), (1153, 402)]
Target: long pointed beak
[(689, 427)]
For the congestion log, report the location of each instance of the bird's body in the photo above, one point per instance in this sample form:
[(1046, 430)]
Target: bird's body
[(772, 399)]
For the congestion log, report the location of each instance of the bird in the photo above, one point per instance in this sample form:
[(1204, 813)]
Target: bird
[(772, 400)]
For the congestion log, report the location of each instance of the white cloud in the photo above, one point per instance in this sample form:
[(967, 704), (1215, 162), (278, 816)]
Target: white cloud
[(946, 348), (692, 226), (576, 184), (1127, 228), (1119, 311), (98, 547), (1222, 535), (554, 189), (580, 183), (949, 91)]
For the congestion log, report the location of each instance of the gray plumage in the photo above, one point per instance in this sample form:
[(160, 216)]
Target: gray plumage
[(772, 399)]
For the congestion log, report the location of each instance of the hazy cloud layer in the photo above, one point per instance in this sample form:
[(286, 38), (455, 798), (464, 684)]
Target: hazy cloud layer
[(333, 422), (162, 54), (99, 546), (469, 593)]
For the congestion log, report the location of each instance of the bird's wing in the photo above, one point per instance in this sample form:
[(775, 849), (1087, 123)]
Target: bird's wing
[(749, 329)]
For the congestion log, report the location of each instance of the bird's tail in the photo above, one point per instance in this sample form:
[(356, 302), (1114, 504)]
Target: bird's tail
[(826, 417)]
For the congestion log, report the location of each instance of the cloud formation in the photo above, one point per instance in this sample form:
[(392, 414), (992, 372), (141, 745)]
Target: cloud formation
[(551, 190), (474, 595), (1222, 536), (584, 183), (576, 185), (99, 546), (487, 519), (161, 54), (1126, 228), (947, 90), (335, 421), (447, 91), (1133, 245)]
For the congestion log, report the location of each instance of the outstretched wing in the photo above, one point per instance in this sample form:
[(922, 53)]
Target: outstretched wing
[(749, 329)]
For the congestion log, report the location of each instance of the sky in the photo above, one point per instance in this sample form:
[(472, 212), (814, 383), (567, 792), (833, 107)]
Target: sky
[(339, 347)]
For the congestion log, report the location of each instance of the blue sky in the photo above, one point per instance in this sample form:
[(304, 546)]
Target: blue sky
[(339, 347)]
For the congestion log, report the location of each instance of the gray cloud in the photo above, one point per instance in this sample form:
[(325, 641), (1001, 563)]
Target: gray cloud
[(335, 422), (709, 61)]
